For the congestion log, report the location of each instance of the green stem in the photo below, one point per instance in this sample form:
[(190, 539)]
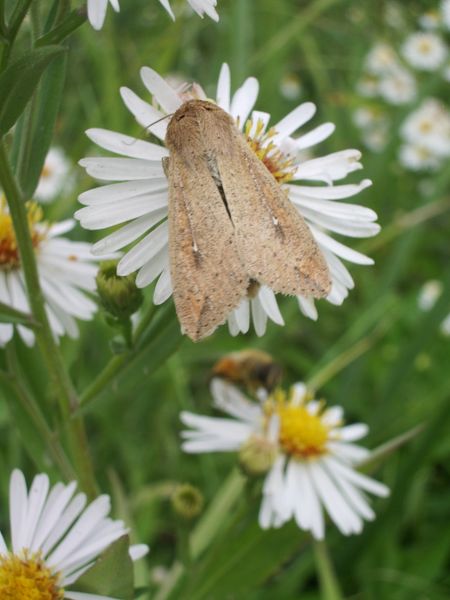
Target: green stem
[(206, 530), (56, 451), (116, 363), (328, 581), (63, 388), (17, 18)]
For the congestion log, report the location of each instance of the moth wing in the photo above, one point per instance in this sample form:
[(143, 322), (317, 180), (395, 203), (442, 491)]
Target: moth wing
[(274, 241), (208, 277)]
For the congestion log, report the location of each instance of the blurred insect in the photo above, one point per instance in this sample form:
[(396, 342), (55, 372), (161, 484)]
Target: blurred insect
[(252, 369), (231, 225)]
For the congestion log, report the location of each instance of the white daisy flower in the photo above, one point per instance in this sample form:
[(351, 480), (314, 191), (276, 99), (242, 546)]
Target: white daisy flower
[(425, 50), (141, 198), (430, 20), (368, 85), (54, 540), (66, 270), (314, 464), (398, 87), (97, 9), (429, 294), (381, 59), (445, 12), (54, 177), (428, 127)]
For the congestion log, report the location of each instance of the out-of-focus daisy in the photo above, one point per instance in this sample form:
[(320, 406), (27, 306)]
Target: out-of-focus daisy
[(428, 296), (310, 456), (425, 50), (430, 20), (381, 59), (66, 270), (54, 540), (97, 9), (290, 86), (417, 157), (428, 127), (398, 87), (54, 177), (445, 13), (374, 126), (367, 85), (141, 198)]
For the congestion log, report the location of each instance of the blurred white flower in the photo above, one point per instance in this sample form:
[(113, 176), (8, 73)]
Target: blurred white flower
[(430, 20), (445, 12), (368, 116), (398, 87), (381, 59), (54, 177), (141, 199), (314, 459), (54, 540), (290, 86), (425, 50), (445, 326), (416, 157), (377, 138), (429, 127), (367, 85), (429, 293), (66, 270), (97, 9)]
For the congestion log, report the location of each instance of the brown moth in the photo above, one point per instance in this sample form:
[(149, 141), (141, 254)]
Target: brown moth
[(231, 225)]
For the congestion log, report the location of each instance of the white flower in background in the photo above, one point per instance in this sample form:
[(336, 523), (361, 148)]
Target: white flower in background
[(430, 20), (141, 198), (428, 127), (381, 59), (398, 87), (314, 458), (66, 270), (416, 157), (428, 296), (97, 9), (374, 126), (54, 540), (367, 85), (290, 86), (376, 139), (445, 12), (425, 50), (54, 177), (368, 116)]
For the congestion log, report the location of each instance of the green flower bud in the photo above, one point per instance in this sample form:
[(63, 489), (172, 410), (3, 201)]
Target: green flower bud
[(119, 296), (257, 456), (187, 501)]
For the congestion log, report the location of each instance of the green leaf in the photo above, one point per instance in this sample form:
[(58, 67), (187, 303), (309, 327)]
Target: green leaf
[(244, 558), (14, 316), (19, 81), (42, 124), (112, 573)]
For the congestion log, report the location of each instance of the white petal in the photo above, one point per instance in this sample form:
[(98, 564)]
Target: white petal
[(163, 288), (354, 432), (144, 250), (117, 169), (317, 135), (63, 524), (126, 145), (269, 304), (295, 119), (308, 307), (96, 10), (122, 191), (153, 268), (230, 400), (56, 504), (145, 114), (339, 249), (244, 100), (118, 211), (223, 88), (168, 8), (161, 90), (138, 551), (259, 317), (17, 508), (242, 315), (36, 501), (362, 481)]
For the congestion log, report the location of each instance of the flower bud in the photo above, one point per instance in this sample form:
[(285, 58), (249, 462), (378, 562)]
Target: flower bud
[(187, 501), (119, 296), (257, 456)]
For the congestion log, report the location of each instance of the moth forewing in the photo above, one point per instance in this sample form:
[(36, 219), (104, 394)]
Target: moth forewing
[(230, 223), (208, 277)]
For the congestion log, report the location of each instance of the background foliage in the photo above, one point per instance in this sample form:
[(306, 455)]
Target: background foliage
[(378, 355)]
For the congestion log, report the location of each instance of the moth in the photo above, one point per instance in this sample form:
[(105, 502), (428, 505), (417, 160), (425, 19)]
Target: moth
[(232, 227), (251, 369)]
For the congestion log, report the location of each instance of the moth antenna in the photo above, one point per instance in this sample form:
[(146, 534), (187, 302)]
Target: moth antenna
[(144, 129)]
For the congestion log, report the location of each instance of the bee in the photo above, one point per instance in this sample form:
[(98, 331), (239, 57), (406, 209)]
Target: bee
[(252, 369)]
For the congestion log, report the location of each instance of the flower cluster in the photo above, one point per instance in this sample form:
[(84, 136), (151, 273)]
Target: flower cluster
[(137, 198), (393, 75), (307, 453)]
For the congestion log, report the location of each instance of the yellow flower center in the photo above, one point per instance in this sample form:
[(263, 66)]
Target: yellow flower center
[(280, 165), (28, 578), (301, 434), (9, 253)]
